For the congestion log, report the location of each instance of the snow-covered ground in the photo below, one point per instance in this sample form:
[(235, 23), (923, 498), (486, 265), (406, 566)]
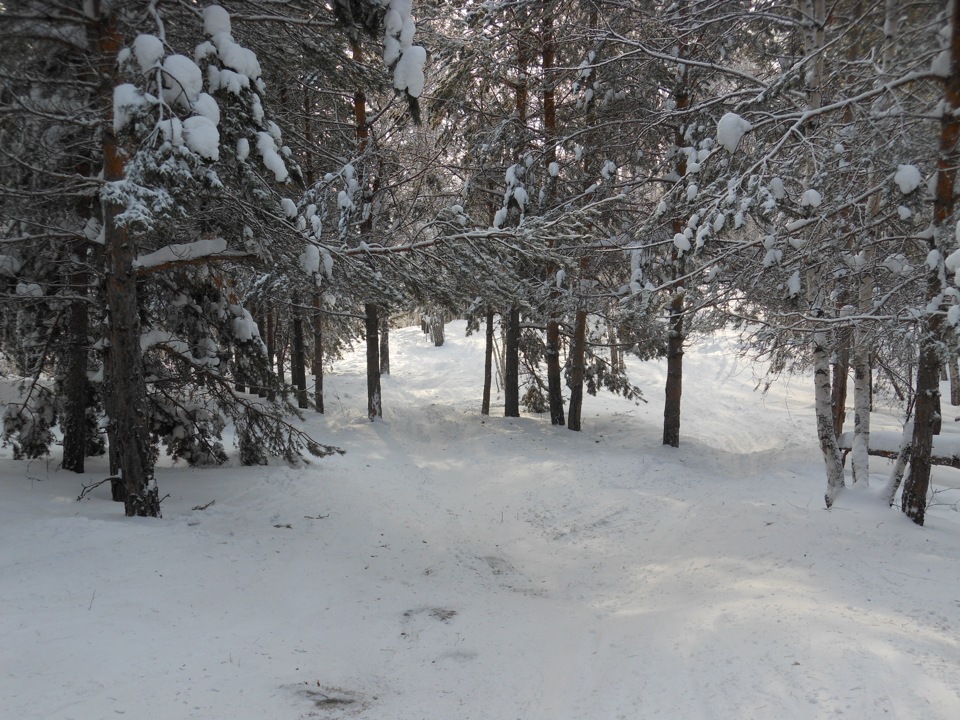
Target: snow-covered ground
[(451, 566)]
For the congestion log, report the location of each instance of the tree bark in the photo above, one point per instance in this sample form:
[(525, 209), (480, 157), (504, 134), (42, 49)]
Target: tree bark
[(554, 382), (272, 351), (511, 384), (577, 368), (385, 345), (674, 384), (487, 366), (298, 362), (832, 458), (838, 388), (926, 407), (437, 327), (860, 463), (125, 387), (374, 404), (318, 352), (76, 384)]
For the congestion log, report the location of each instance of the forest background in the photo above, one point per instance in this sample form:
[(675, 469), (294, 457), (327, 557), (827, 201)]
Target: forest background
[(199, 202)]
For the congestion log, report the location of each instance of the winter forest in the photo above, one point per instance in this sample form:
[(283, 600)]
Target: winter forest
[(213, 217), (201, 202)]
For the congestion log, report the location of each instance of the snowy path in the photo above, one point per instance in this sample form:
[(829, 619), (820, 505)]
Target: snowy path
[(450, 567)]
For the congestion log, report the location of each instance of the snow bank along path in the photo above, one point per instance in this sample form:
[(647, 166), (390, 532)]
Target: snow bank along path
[(453, 567)]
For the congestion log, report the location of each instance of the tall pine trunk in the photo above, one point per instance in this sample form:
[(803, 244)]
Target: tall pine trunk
[(675, 339), (577, 368), (76, 384), (374, 404), (384, 345), (125, 391), (318, 352), (674, 384), (487, 365), (511, 380), (926, 407), (298, 362), (554, 381)]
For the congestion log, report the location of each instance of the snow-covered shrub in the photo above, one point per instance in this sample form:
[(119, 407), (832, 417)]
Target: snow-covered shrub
[(26, 426)]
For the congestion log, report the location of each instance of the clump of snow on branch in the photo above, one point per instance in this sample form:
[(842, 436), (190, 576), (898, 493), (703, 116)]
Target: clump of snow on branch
[(128, 101), (399, 52), (811, 198), (907, 178), (182, 81), (181, 252), (201, 136), (148, 50), (730, 129)]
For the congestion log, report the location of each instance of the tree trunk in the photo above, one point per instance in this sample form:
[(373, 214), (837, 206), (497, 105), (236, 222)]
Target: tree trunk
[(554, 389), (511, 381), (926, 407), (554, 383), (272, 351), (76, 384), (825, 431), (318, 352), (674, 384), (860, 459), (838, 388), (487, 366), (952, 373), (125, 388), (437, 327), (298, 362), (577, 368), (385, 345), (374, 405)]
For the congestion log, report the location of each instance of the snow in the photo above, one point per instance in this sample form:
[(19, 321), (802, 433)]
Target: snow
[(181, 252), (811, 198), (128, 101), (271, 158), (681, 242), (451, 566), (201, 135), (408, 74), (216, 20), (182, 81), (553, 169), (907, 178), (207, 106), (289, 208), (148, 50), (310, 259), (171, 130), (730, 129), (793, 284)]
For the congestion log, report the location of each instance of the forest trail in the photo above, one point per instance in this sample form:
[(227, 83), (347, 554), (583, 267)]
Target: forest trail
[(455, 566)]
